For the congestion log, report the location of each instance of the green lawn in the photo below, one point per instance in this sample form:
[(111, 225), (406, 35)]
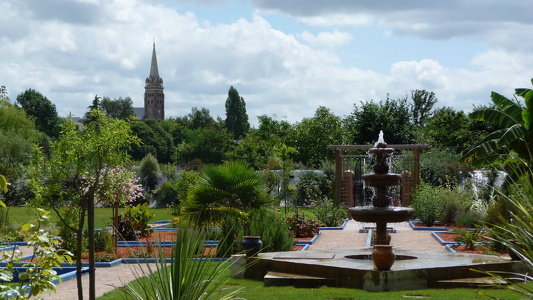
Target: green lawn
[(22, 215), (255, 290)]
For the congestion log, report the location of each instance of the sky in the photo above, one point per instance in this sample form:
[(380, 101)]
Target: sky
[(286, 58)]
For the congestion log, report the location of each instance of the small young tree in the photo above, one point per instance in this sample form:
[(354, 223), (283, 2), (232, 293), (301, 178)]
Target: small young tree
[(117, 188), (73, 173)]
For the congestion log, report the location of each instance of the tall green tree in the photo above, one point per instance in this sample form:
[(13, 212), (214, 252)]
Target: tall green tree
[(311, 136), (3, 93), (513, 137), (165, 151), (121, 108), (73, 172), (208, 145), (43, 111), (154, 140), (258, 146), (272, 129), (422, 105), (391, 116), (236, 117), (448, 128), (200, 118), (89, 116), (17, 138), (149, 171)]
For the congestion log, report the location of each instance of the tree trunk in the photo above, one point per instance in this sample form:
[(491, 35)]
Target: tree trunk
[(79, 250), (90, 228), (115, 224)]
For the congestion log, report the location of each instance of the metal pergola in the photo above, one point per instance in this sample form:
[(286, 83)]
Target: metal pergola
[(348, 171)]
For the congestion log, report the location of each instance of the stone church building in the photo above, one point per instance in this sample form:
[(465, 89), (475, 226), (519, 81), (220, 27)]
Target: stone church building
[(154, 96)]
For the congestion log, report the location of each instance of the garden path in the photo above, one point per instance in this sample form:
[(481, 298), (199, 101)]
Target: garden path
[(349, 237), (108, 279)]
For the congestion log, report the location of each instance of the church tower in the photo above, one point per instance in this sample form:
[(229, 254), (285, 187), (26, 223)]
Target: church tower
[(154, 97)]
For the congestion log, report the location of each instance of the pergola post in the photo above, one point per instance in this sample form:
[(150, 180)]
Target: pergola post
[(338, 175)]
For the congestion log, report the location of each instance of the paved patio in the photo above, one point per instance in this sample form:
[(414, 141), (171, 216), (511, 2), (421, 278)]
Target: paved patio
[(107, 279)]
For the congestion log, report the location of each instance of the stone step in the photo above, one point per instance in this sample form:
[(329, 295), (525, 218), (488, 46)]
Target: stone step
[(299, 281), (477, 282)]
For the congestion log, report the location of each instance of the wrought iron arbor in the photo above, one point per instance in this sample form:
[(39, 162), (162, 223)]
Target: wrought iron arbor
[(350, 188)]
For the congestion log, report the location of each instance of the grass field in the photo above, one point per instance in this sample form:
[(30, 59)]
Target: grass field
[(23, 215)]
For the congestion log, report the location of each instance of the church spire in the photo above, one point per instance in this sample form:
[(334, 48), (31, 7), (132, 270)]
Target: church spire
[(153, 80), (154, 97), (154, 71)]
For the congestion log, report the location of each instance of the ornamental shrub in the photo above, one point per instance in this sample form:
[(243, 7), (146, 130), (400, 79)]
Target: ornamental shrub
[(427, 204), (312, 187), (302, 226), (103, 241), (330, 214), (274, 234)]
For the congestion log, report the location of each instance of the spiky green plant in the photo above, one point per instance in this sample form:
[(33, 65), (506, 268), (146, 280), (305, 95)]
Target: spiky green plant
[(188, 275), (223, 190), (516, 232)]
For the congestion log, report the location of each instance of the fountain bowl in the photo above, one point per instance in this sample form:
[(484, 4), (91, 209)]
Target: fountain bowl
[(370, 214), (378, 180)]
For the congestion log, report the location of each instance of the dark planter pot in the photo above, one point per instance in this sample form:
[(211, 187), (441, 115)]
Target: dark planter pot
[(252, 245), (511, 253), (383, 257)]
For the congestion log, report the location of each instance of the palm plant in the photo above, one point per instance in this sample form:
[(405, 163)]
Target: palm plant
[(232, 188), (188, 275), (514, 136)]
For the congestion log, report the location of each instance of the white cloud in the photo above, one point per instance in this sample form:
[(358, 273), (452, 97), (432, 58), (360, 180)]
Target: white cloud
[(338, 19), (277, 73)]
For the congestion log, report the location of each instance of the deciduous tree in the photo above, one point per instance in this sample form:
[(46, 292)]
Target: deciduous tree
[(311, 136), (17, 138), (43, 110), (423, 102), (391, 116), (121, 108)]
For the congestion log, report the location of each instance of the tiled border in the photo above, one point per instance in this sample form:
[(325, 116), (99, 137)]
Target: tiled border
[(426, 228)]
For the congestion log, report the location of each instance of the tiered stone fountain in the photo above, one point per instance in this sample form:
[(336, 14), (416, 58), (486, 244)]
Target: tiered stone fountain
[(381, 212), (352, 267)]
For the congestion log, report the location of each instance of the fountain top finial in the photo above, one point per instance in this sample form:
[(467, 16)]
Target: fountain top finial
[(381, 142)]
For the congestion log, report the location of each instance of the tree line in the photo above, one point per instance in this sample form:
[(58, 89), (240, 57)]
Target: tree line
[(197, 139)]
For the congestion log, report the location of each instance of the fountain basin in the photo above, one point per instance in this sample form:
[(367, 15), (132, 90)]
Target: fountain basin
[(369, 214), (376, 180), (335, 266)]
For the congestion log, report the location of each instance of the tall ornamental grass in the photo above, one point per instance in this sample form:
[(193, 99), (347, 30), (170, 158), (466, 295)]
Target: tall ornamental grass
[(189, 274)]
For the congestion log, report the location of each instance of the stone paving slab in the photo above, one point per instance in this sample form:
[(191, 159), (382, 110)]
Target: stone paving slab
[(107, 279)]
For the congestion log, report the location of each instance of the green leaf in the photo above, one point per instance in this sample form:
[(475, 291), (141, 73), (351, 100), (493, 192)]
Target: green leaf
[(26, 227), (24, 276), (6, 275), (526, 116), (3, 184)]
